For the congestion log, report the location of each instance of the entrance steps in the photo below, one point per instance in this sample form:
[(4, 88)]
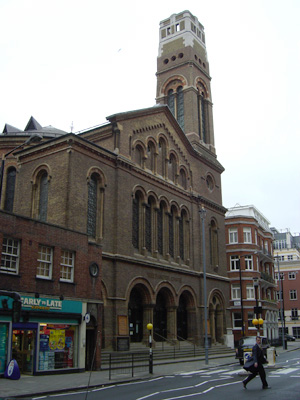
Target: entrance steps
[(164, 352)]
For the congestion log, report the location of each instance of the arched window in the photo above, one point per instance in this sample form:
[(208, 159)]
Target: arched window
[(172, 168), (182, 178), (184, 236), (95, 206), (92, 206), (162, 228), (151, 157), (202, 114), (138, 155), (10, 189), (171, 101), (180, 107), (173, 232), (150, 225), (137, 221), (41, 183), (162, 151), (43, 196), (175, 101)]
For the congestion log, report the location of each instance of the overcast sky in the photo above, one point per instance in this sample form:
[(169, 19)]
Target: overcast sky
[(73, 63)]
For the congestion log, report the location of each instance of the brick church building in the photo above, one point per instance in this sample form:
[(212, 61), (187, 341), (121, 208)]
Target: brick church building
[(135, 187)]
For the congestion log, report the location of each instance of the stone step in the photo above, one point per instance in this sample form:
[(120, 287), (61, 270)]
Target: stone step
[(168, 352)]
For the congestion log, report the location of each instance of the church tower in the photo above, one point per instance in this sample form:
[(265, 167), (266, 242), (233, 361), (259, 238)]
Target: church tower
[(183, 80)]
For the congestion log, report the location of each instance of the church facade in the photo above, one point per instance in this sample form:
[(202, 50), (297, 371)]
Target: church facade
[(136, 186)]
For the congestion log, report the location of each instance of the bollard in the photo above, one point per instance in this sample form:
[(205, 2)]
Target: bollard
[(271, 356)]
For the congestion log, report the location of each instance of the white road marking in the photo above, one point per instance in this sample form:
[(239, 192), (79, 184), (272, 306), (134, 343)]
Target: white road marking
[(284, 371)]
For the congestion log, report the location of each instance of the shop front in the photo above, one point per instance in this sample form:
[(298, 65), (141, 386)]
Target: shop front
[(46, 340)]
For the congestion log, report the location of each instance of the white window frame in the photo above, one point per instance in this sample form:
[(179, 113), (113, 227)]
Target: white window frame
[(247, 235), (294, 314), (45, 262), (233, 235), (250, 319), (10, 256), (234, 263), (290, 257), (250, 292), (234, 319), (281, 276), (235, 292), (293, 294), (292, 275), (249, 263), (67, 266)]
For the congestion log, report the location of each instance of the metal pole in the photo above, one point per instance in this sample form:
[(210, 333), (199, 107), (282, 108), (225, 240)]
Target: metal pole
[(203, 215), (256, 302), (150, 327), (281, 307), (241, 292)]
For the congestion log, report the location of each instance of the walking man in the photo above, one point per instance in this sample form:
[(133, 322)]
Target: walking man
[(255, 366)]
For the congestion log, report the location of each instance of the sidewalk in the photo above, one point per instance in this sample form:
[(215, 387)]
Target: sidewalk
[(47, 384)]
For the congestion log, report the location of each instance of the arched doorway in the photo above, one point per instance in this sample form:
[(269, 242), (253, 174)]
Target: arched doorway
[(216, 318), (182, 319), (91, 339), (135, 315), (160, 317), (186, 316)]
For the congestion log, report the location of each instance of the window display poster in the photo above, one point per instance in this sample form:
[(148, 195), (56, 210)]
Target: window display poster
[(3, 347)]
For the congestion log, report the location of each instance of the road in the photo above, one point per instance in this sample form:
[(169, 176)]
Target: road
[(222, 383)]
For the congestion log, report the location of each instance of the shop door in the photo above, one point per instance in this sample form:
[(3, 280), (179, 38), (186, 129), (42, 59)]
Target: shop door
[(24, 349)]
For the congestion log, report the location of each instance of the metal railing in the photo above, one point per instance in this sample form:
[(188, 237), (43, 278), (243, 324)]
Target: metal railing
[(128, 363)]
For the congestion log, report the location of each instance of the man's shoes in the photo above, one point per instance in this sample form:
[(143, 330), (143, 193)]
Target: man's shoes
[(244, 384), (266, 387)]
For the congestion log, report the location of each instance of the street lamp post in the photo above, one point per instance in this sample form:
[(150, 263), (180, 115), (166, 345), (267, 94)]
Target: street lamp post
[(281, 307), (257, 321), (150, 327), (203, 216), (33, 138)]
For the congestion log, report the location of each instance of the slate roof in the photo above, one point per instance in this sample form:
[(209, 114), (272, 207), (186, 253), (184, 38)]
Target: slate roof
[(31, 128)]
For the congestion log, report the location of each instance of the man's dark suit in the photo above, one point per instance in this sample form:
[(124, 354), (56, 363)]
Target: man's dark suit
[(258, 357)]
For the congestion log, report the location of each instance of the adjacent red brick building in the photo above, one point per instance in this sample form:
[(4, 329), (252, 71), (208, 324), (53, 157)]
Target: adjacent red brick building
[(249, 249)]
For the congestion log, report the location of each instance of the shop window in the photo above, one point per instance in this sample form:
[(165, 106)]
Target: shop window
[(58, 347), (44, 269), (67, 266), (10, 255)]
